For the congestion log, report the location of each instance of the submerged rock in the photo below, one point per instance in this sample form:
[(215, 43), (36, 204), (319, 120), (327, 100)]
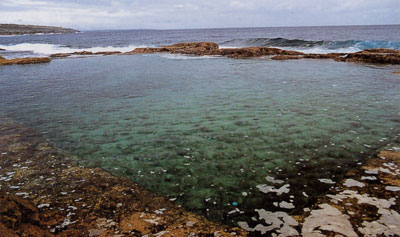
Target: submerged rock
[(77, 201)]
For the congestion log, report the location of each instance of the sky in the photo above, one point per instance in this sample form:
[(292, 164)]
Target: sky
[(190, 14)]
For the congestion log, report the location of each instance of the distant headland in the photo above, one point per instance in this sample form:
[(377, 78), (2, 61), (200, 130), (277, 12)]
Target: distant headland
[(15, 29)]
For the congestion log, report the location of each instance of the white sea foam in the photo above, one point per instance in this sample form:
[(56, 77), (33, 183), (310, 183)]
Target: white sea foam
[(228, 47), (313, 50), (322, 50), (47, 49)]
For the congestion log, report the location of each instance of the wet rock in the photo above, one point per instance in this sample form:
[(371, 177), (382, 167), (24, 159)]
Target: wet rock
[(372, 204), (60, 55), (147, 51), (327, 218), (205, 45), (324, 56), (19, 216), (377, 56), (83, 53), (4, 61), (286, 57), (108, 53)]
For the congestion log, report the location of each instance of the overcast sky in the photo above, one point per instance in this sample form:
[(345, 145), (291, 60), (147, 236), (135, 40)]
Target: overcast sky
[(177, 14)]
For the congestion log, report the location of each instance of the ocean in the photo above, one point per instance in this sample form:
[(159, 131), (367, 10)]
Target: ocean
[(345, 39), (222, 137)]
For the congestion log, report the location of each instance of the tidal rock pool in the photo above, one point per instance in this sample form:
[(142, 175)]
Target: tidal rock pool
[(226, 138)]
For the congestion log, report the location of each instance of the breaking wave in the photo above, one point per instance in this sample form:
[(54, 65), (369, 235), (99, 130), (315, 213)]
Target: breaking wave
[(310, 46), (29, 49)]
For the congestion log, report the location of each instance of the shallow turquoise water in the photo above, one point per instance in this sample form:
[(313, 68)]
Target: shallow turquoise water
[(208, 131)]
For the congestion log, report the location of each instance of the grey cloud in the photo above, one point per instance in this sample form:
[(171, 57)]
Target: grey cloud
[(162, 14)]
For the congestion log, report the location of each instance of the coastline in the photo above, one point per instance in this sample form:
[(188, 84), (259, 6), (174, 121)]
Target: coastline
[(17, 30)]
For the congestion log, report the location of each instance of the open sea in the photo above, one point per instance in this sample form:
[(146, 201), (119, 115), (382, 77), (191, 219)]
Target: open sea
[(222, 137)]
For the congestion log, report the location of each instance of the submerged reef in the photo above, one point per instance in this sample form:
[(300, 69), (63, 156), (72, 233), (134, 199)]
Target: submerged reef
[(43, 192)]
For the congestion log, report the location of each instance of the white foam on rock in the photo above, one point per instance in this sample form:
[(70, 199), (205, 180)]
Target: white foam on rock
[(353, 183), (279, 222), (393, 188), (47, 49), (326, 181), (271, 189), (327, 218)]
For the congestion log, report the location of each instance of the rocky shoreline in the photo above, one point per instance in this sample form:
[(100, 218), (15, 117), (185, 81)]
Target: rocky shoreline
[(371, 56), (16, 29)]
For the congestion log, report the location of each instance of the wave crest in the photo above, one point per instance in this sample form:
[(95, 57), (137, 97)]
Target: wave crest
[(310, 46)]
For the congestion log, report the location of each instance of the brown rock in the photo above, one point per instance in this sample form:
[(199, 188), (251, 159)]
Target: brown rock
[(108, 53), (286, 57), (83, 53), (60, 55), (391, 51), (379, 56), (148, 50), (4, 61), (324, 56), (367, 57), (205, 45), (2, 49), (19, 216)]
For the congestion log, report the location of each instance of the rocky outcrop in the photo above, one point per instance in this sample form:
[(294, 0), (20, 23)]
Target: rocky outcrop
[(324, 56), (18, 217), (83, 53), (14, 29), (385, 56), (286, 57), (378, 56), (51, 194), (205, 45), (4, 61), (60, 55)]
